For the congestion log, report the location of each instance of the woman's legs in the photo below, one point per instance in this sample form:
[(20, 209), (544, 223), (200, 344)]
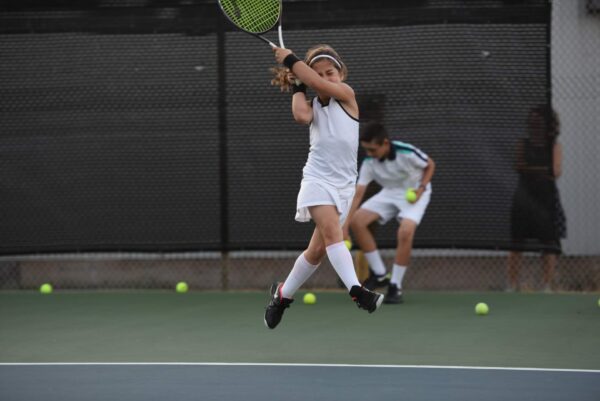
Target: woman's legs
[(549, 265), (514, 268), (327, 219), (327, 239), (306, 264)]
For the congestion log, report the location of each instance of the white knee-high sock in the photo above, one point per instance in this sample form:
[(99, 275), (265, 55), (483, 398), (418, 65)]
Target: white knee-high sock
[(301, 272), (375, 262), (398, 275), (341, 260)]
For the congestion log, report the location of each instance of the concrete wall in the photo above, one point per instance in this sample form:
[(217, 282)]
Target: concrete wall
[(576, 97)]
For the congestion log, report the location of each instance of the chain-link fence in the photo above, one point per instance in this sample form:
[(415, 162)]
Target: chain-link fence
[(141, 144), (429, 270)]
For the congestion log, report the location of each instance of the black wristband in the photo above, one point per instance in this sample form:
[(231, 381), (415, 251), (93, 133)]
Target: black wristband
[(298, 88), (290, 60)]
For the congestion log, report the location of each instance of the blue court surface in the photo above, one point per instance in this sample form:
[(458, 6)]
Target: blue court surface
[(254, 382)]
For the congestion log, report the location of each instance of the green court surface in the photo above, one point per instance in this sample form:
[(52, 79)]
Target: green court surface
[(431, 328)]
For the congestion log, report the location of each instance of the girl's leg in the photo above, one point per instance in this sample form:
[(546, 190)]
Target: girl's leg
[(328, 224), (306, 264)]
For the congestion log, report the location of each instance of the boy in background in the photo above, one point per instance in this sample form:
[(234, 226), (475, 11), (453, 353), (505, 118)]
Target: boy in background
[(398, 167)]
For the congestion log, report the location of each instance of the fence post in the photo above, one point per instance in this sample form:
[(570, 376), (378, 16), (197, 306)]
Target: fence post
[(223, 159)]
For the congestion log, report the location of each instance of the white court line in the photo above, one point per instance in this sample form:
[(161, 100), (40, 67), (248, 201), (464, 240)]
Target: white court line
[(332, 365)]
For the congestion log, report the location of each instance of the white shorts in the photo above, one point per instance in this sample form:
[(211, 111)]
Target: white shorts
[(313, 193), (389, 203)]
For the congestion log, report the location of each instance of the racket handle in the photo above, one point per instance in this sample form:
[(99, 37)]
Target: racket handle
[(265, 40)]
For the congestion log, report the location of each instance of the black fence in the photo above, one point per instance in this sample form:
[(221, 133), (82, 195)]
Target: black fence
[(151, 125)]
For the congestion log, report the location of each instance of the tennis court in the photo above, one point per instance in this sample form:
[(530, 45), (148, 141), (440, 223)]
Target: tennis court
[(291, 382), (151, 345), (142, 145)]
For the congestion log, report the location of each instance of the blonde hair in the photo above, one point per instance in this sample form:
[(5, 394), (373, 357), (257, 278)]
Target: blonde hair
[(280, 74)]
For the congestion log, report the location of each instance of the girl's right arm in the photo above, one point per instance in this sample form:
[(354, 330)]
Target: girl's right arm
[(301, 108)]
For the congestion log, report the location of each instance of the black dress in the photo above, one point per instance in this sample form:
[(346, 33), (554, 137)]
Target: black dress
[(536, 212)]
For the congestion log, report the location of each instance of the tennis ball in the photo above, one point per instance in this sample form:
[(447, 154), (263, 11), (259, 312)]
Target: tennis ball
[(310, 298), (46, 288), (181, 287), (481, 308), (411, 195), (348, 244)]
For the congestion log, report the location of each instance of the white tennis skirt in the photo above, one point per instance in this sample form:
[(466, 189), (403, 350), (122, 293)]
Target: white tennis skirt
[(314, 193)]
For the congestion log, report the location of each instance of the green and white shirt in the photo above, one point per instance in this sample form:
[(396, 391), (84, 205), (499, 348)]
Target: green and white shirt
[(402, 169)]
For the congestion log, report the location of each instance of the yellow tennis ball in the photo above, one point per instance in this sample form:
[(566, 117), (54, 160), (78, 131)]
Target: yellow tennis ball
[(181, 287), (481, 308), (309, 298), (46, 288), (411, 195), (348, 244)]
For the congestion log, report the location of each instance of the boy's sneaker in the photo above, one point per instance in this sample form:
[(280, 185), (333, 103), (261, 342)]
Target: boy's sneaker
[(276, 307), (394, 295), (376, 281), (366, 299)]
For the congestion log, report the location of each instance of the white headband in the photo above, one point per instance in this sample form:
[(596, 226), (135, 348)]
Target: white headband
[(326, 56)]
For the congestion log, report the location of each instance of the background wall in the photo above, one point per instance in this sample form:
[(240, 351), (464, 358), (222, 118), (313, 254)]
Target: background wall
[(576, 97)]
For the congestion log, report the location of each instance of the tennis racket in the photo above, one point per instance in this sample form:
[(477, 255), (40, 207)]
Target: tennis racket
[(255, 17)]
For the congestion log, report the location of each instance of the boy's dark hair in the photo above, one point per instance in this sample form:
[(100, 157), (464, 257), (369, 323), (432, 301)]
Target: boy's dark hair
[(373, 131)]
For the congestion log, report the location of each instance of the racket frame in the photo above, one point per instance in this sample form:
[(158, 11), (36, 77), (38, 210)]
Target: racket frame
[(260, 34)]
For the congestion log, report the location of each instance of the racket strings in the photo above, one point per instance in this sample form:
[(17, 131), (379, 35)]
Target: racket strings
[(255, 16)]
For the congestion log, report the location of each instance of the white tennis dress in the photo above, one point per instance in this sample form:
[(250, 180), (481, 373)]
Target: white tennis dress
[(329, 175)]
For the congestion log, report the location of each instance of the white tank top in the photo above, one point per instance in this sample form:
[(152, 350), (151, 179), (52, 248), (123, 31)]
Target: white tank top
[(333, 145)]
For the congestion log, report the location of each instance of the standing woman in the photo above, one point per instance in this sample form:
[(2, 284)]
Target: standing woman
[(537, 212), (329, 175)]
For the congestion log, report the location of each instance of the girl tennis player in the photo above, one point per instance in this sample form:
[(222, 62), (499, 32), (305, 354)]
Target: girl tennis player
[(329, 175)]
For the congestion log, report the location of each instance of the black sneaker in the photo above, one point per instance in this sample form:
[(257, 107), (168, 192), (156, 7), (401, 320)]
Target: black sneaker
[(394, 295), (366, 299), (276, 307), (376, 281)]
